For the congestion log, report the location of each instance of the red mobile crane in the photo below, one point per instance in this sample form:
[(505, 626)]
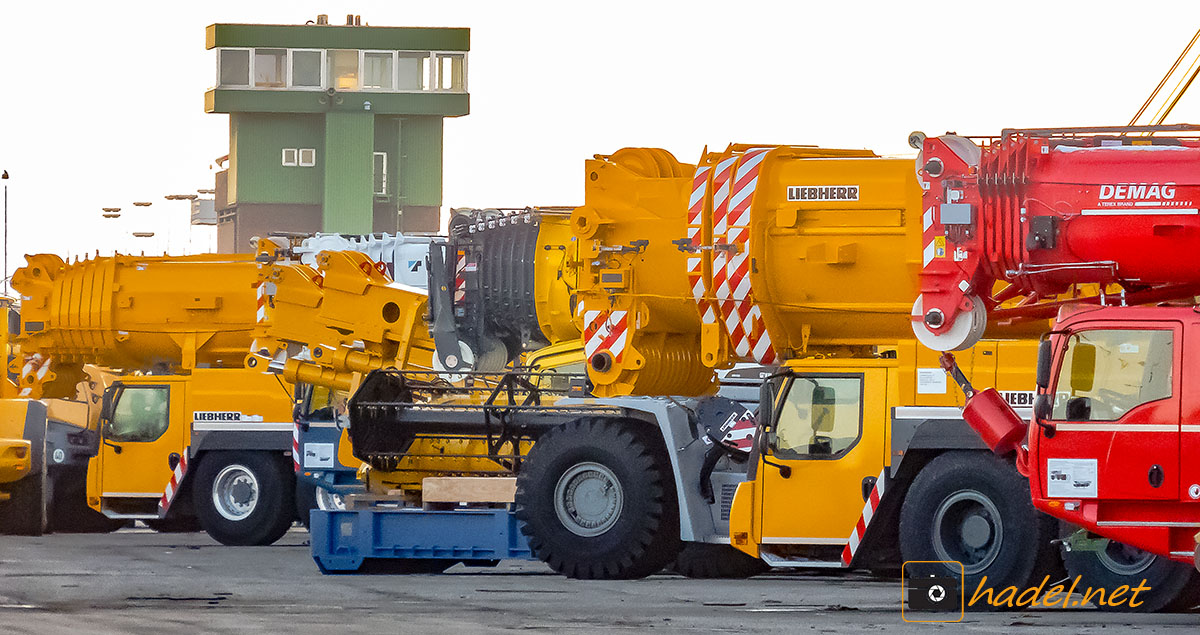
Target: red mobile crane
[(1114, 442)]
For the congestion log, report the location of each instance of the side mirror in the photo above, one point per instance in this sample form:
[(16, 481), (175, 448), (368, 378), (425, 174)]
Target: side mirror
[(1083, 367), (1045, 358), (766, 401), (107, 405)]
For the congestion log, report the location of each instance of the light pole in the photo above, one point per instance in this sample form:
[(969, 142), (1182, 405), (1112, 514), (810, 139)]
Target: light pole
[(4, 177)]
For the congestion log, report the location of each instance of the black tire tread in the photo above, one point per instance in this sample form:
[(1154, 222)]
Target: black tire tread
[(653, 543), (704, 561), (1174, 586), (26, 511), (277, 506), (1029, 553)]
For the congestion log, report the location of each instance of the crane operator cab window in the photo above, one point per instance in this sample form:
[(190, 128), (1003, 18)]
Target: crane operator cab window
[(1107, 373), (140, 414), (820, 418), (328, 404)]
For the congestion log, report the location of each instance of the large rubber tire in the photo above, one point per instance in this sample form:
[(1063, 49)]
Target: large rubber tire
[(27, 511), (310, 497), (69, 512), (596, 498), (244, 498), (178, 525), (701, 560), (1174, 586), (975, 508)]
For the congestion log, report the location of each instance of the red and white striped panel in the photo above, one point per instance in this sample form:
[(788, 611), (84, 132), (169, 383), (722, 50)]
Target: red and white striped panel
[(460, 280), (37, 366), (172, 489), (296, 446), (695, 260), (260, 315), (695, 233), (927, 238), (720, 189), (868, 512), (605, 331), (261, 291), (741, 435), (742, 318)]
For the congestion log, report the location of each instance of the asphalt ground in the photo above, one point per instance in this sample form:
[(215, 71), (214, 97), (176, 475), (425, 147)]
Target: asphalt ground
[(138, 581)]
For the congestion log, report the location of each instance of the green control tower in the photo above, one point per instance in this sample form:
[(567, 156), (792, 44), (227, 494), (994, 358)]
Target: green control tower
[(333, 128)]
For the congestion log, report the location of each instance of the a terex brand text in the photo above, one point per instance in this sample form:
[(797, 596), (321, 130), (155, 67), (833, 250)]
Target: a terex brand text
[(1137, 191), (822, 193), (216, 416)]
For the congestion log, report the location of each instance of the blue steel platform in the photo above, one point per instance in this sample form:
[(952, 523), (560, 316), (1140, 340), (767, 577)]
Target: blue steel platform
[(342, 541)]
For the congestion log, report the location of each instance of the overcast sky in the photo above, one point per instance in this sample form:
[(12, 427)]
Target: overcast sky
[(103, 102)]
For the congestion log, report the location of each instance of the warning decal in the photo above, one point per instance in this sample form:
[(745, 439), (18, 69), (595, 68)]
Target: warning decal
[(1071, 478)]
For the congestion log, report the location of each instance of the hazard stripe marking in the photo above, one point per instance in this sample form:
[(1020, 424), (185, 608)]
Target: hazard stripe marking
[(172, 488), (864, 520)]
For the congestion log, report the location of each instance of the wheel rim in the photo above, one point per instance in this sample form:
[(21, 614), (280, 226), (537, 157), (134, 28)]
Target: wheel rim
[(967, 528), (1123, 559), (235, 492), (588, 499), (330, 501)]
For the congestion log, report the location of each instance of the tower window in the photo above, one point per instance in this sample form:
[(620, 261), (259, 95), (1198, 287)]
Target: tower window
[(270, 68), (235, 67), (289, 157), (377, 70), (413, 71), (308, 157), (452, 72), (306, 69), (343, 70)]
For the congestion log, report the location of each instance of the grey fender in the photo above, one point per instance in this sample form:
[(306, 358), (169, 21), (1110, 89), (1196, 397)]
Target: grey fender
[(932, 428), (241, 436)]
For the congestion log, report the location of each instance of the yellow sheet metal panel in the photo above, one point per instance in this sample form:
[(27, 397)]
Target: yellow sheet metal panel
[(836, 268), (14, 459), (555, 278)]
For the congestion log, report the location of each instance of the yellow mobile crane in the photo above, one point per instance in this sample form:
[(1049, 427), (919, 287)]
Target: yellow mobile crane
[(184, 433), (15, 450), (791, 257)]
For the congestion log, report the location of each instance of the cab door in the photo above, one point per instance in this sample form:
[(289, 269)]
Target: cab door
[(1116, 415), (139, 439), (829, 432)]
